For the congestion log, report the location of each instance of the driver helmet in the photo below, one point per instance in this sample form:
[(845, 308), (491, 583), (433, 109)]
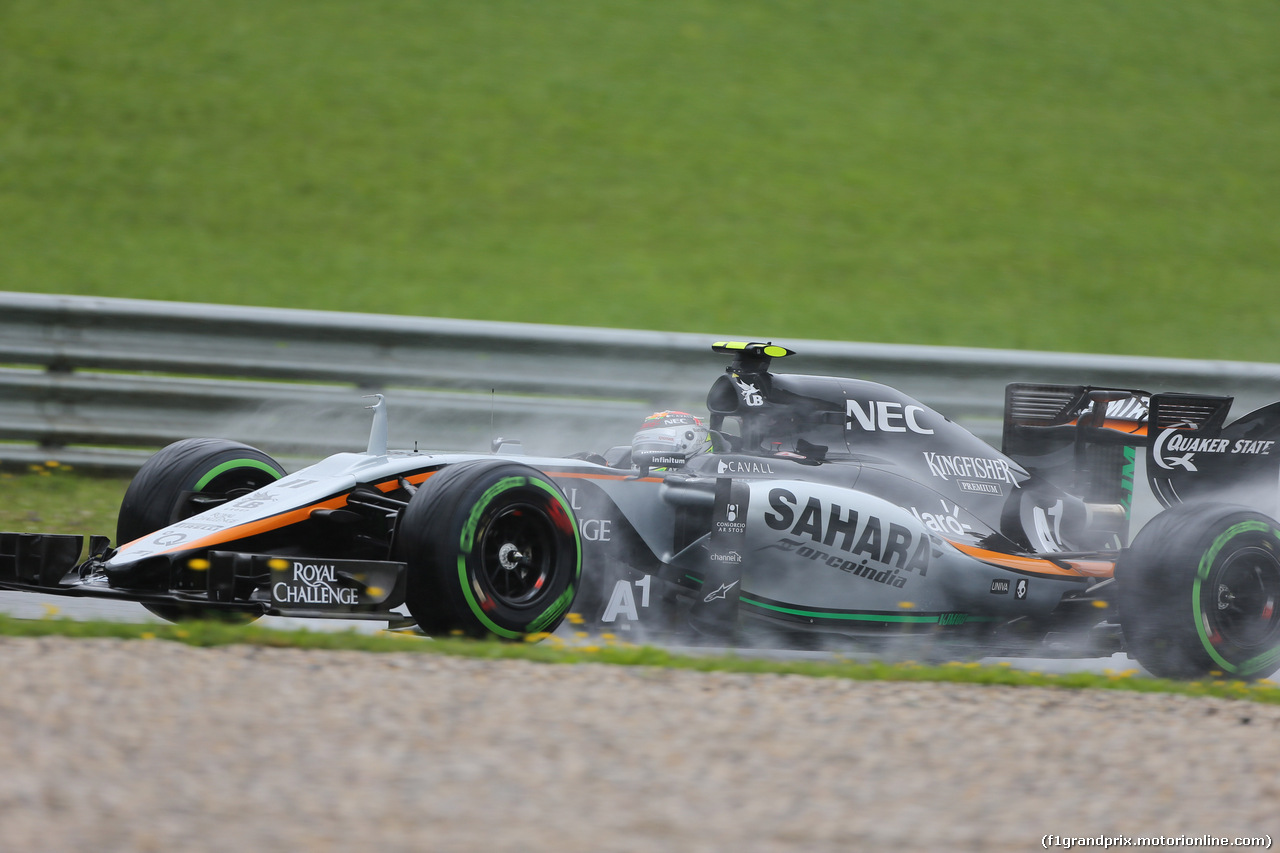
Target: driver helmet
[(669, 440)]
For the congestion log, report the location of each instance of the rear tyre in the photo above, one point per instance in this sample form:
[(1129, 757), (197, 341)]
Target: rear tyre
[(184, 479), (1199, 593), (492, 549)]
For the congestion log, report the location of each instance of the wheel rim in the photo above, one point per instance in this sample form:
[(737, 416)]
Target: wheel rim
[(223, 488), (1245, 598), (517, 553)]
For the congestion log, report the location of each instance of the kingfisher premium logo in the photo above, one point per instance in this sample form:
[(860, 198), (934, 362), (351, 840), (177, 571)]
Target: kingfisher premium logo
[(971, 468)]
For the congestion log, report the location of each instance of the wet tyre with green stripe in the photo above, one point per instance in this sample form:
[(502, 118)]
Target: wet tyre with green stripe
[(186, 478), (492, 548), (1199, 593)]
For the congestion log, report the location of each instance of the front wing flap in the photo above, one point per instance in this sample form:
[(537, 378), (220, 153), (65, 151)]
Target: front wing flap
[(42, 559), (265, 584)]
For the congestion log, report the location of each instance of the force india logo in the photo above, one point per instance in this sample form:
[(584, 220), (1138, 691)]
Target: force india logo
[(312, 583), (1175, 449), (888, 576)]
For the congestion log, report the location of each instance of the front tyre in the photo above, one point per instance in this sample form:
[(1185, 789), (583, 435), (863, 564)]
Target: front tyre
[(1199, 593), (184, 479), (492, 548)]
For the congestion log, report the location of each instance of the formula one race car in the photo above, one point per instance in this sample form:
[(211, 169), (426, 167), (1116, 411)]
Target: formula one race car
[(809, 511)]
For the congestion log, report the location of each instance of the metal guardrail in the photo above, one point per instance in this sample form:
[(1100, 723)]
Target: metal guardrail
[(104, 382)]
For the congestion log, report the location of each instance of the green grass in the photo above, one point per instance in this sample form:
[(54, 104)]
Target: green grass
[(1086, 176), (54, 499), (608, 651)]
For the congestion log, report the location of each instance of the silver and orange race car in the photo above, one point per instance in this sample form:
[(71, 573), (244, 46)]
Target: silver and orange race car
[(818, 512)]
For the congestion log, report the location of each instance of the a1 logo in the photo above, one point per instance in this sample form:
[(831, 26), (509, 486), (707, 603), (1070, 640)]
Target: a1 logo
[(622, 602)]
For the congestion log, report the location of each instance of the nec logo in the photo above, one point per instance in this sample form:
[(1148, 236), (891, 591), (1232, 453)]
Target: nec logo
[(884, 417)]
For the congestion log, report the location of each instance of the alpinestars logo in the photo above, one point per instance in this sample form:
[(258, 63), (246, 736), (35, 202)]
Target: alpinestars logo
[(722, 592)]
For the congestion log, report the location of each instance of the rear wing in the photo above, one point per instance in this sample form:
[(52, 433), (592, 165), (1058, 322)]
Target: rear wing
[(1085, 439), (1080, 437), (1033, 412), (1191, 455)]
